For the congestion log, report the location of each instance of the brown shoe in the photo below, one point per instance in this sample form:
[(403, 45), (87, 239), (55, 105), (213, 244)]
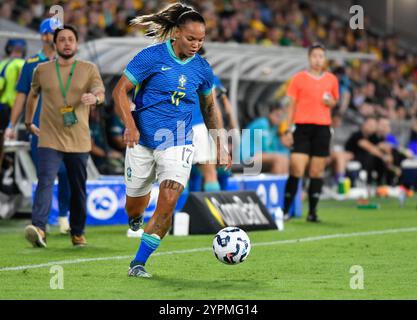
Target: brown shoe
[(79, 241), (35, 236)]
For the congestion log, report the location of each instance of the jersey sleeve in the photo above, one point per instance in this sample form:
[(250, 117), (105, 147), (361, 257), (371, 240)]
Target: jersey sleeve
[(207, 84), (140, 67), (293, 90), (25, 79)]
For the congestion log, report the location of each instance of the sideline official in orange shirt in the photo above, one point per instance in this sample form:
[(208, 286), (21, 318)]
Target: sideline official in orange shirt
[(313, 93)]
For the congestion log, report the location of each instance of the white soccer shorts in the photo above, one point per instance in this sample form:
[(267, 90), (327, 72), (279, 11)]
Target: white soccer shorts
[(144, 165)]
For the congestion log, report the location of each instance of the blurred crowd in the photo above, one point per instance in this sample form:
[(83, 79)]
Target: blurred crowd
[(385, 87)]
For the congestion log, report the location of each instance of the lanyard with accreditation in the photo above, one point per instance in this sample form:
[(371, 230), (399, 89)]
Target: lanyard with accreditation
[(67, 111)]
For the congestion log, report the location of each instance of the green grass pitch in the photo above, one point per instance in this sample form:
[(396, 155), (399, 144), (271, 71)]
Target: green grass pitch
[(315, 267)]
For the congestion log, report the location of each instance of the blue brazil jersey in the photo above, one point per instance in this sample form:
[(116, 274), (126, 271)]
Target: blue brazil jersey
[(167, 90), (25, 80)]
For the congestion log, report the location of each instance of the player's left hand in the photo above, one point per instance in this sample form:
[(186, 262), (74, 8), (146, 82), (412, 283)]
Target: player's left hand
[(89, 99)]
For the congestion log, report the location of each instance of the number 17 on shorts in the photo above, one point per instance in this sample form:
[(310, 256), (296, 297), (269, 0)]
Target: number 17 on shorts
[(187, 154)]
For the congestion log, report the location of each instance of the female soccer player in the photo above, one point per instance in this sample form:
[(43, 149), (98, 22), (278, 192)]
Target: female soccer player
[(169, 78), (313, 93)]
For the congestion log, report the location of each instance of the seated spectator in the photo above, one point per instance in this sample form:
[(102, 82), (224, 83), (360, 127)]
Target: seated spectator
[(344, 88), (339, 158), (384, 133), (106, 159), (389, 145), (363, 145), (412, 145), (273, 149)]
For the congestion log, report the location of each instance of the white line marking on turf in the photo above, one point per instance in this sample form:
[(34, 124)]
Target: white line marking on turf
[(260, 244)]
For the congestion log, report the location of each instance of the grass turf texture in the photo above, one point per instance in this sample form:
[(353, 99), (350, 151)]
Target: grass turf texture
[(303, 270)]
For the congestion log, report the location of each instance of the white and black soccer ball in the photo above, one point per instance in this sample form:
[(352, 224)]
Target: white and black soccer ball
[(231, 245)]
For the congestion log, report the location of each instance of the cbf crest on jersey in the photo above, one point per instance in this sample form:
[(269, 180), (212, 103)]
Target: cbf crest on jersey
[(182, 80)]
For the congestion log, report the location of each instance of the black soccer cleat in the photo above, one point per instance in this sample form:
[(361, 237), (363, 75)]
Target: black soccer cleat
[(312, 217)]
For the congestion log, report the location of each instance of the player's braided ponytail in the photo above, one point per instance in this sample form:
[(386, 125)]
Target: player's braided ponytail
[(162, 24)]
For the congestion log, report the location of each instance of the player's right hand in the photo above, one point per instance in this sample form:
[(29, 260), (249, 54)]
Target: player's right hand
[(131, 136), (10, 134)]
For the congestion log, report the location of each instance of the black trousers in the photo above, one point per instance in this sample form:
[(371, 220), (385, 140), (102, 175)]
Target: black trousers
[(48, 166), (372, 164)]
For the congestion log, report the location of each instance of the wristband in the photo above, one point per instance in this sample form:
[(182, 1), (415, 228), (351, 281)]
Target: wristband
[(10, 126)]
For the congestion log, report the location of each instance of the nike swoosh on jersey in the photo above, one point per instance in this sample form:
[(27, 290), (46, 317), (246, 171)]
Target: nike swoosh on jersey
[(165, 69)]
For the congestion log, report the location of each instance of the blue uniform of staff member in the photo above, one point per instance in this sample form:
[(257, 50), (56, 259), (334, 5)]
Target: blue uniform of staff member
[(47, 53), (170, 78)]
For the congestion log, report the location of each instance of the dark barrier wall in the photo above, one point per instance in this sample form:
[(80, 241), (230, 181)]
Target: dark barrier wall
[(211, 212)]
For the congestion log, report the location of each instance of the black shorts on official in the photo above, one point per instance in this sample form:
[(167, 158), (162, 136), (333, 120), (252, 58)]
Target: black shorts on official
[(312, 139), (5, 112)]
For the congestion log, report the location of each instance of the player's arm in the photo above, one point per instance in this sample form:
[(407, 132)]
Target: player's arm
[(95, 94), (16, 112), (31, 105), (214, 122), (373, 149), (293, 92), (228, 109), (287, 134), (332, 98), (22, 88), (122, 104), (17, 109), (290, 112)]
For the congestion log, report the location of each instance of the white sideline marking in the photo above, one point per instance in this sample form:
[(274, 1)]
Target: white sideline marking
[(260, 244)]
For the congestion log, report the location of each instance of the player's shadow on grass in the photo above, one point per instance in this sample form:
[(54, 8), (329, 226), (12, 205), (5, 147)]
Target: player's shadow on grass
[(62, 244)]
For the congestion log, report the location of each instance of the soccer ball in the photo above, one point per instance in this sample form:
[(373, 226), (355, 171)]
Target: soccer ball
[(231, 245)]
